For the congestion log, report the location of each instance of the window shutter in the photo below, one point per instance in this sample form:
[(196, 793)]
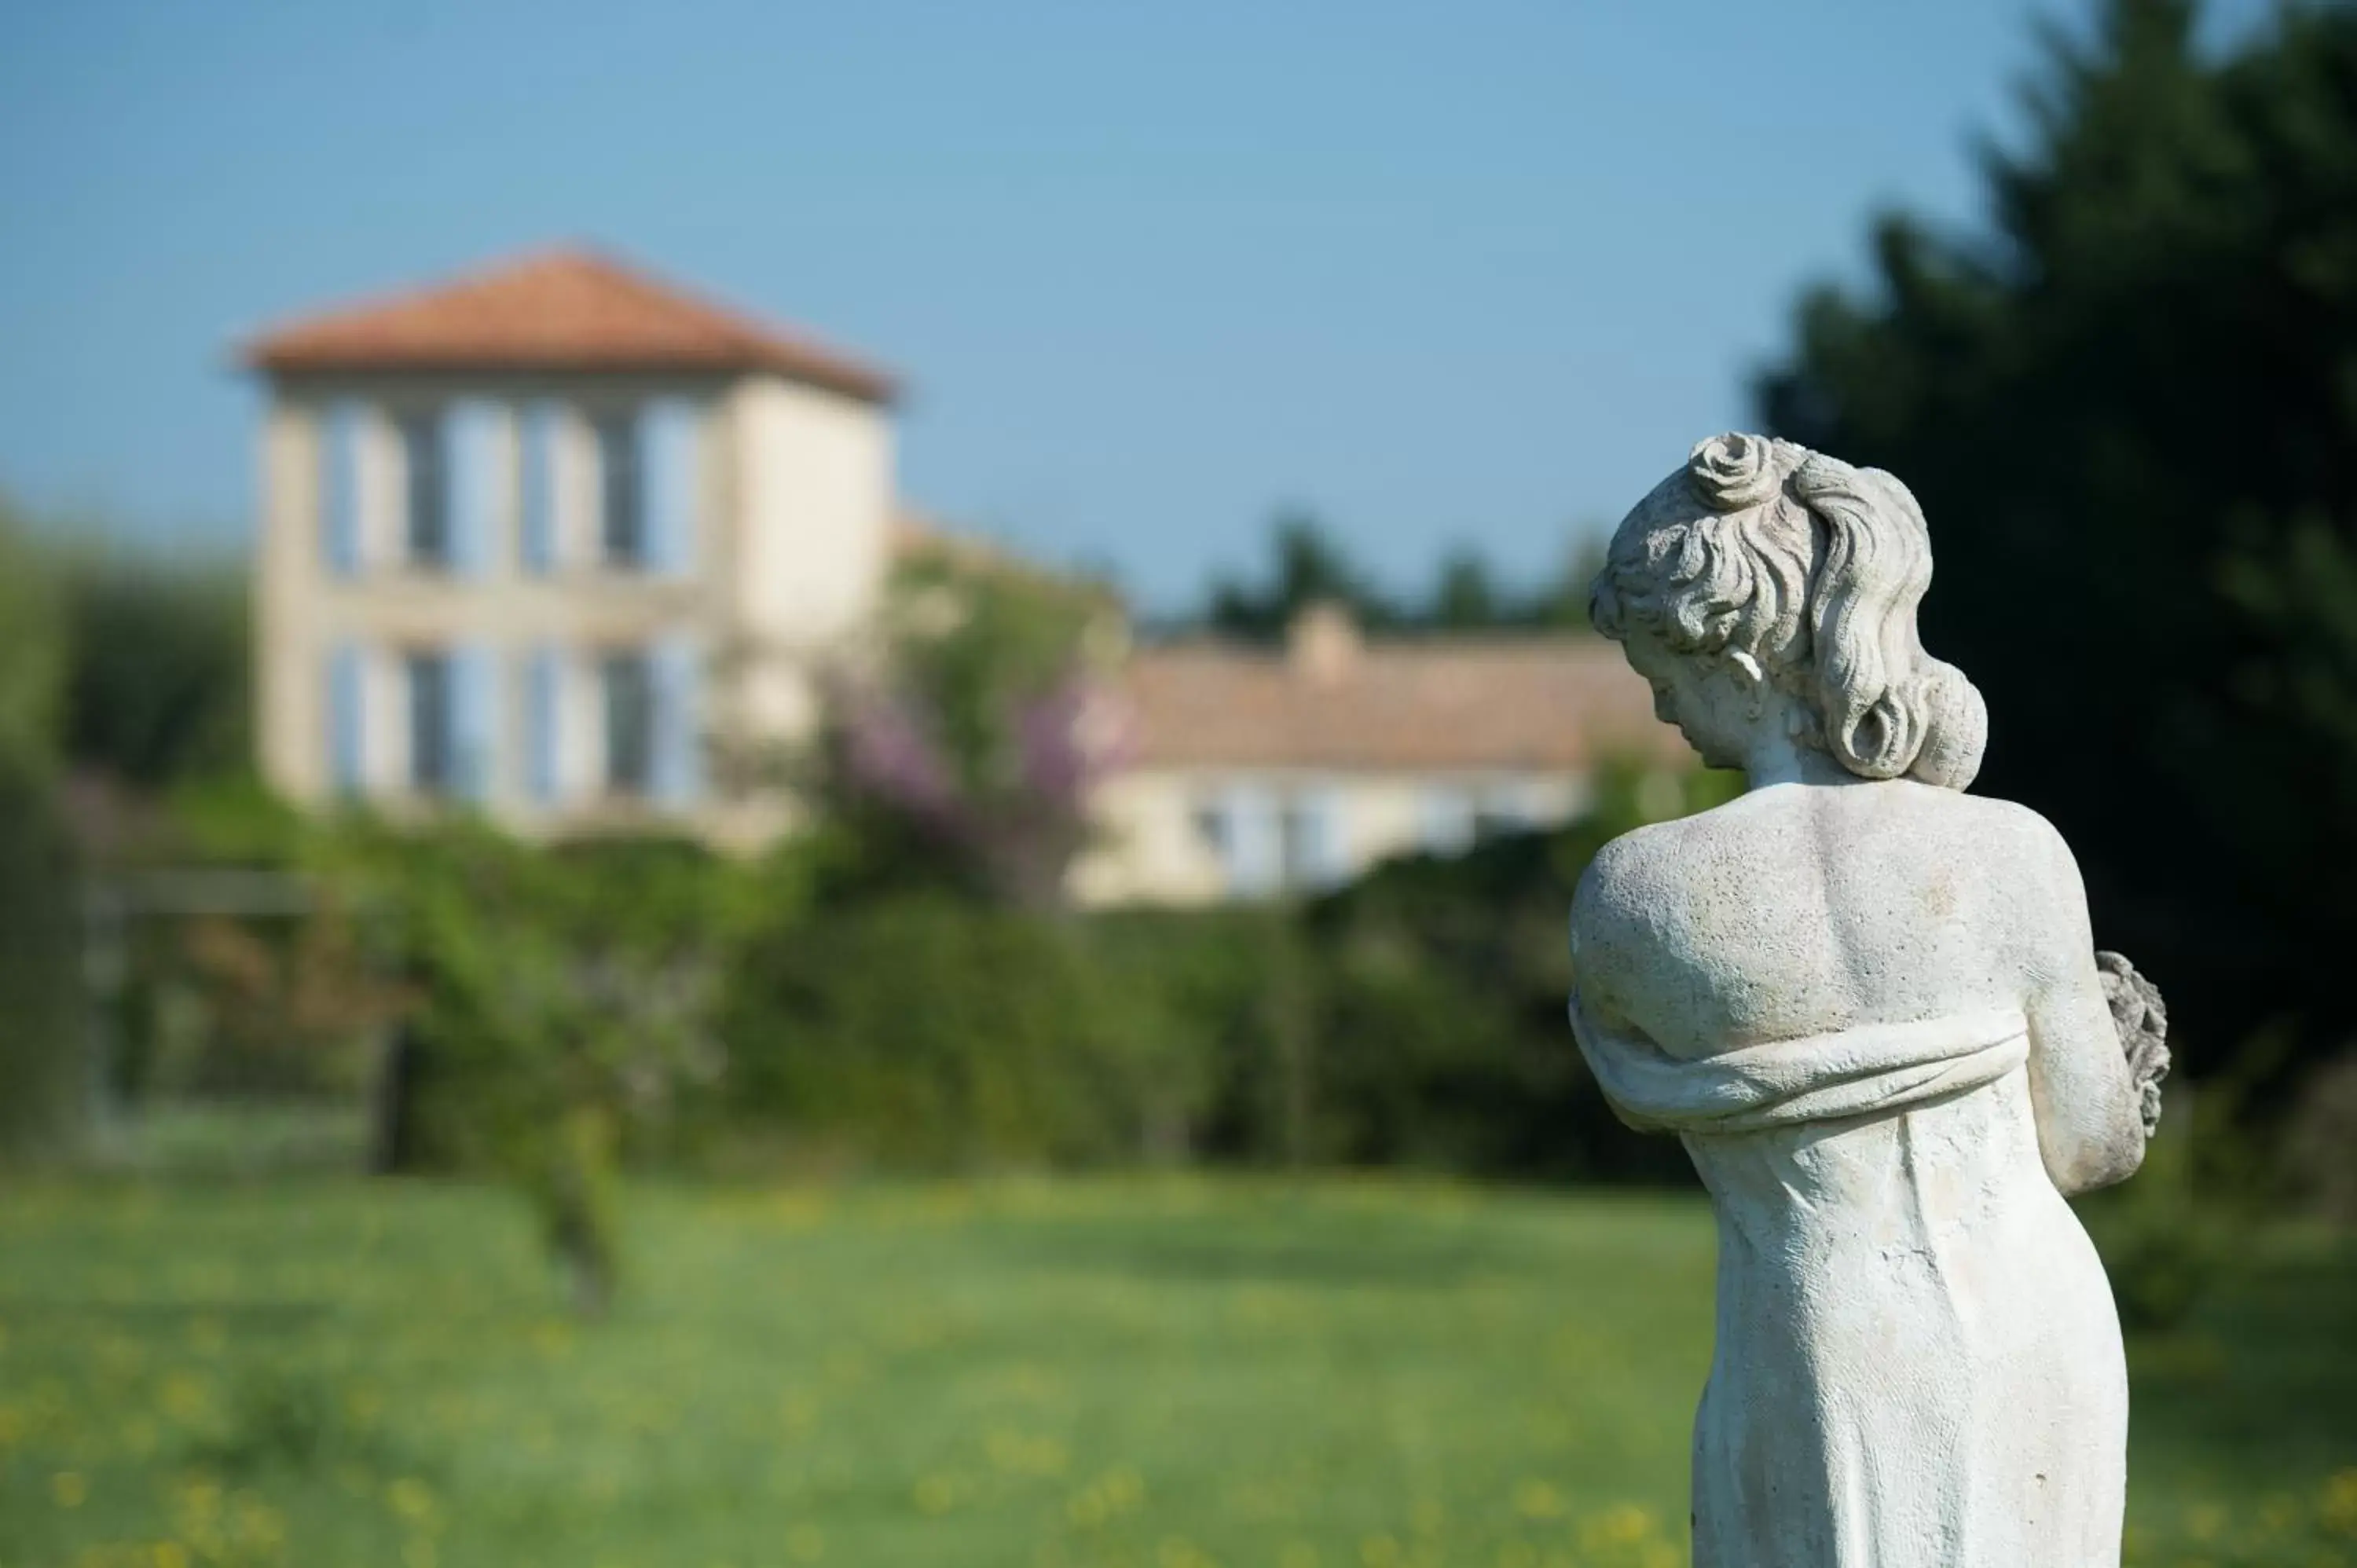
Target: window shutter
[(1325, 856), (474, 478), (678, 723), (542, 453), (1445, 821), (346, 722), (1252, 842), (543, 695), (474, 725), (671, 472), (342, 488), (1509, 808), (580, 726)]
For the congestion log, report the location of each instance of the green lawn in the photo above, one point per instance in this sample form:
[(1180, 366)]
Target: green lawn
[(1162, 1374)]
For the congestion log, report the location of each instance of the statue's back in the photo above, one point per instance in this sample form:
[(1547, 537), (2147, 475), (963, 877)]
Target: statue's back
[(1796, 911)]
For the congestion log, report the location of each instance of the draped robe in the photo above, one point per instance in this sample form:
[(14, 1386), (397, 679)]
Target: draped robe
[(1916, 1343)]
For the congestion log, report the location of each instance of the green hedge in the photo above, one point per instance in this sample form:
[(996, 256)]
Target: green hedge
[(43, 1040), (926, 1032), (1416, 1017), (920, 1030), (43, 1059), (724, 1014)]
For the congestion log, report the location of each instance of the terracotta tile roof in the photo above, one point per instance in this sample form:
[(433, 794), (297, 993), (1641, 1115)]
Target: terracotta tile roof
[(560, 310), (1442, 704)]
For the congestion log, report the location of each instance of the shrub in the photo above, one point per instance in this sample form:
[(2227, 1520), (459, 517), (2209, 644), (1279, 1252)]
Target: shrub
[(40, 1014), (2320, 1148), (920, 1030), (959, 753), (2162, 1247), (1441, 985), (1416, 1017), (559, 1003)]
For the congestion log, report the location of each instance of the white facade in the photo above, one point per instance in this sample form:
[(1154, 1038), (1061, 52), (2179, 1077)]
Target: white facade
[(1206, 835), (1255, 773)]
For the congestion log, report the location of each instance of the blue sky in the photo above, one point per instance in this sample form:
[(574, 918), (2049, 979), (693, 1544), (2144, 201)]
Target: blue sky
[(1466, 274)]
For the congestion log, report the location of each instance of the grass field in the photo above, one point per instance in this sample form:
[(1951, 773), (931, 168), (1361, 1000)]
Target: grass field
[(1161, 1374)]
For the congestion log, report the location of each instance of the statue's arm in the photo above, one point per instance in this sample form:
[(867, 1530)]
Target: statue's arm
[(1602, 944), (1614, 970), (1600, 971), (2091, 1132)]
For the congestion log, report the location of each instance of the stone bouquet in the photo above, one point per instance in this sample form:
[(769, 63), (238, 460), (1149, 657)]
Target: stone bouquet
[(1871, 1006)]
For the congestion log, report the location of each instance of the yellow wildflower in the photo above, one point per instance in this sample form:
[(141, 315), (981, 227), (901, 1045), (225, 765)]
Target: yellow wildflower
[(1538, 1499)]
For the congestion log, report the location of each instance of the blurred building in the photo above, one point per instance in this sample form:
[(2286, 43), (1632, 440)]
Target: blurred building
[(550, 540), (1255, 772), (547, 538)]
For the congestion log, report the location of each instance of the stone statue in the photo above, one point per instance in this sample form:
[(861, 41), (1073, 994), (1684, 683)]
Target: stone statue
[(1870, 1006)]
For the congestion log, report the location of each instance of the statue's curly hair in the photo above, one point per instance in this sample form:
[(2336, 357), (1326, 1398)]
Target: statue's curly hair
[(1813, 570)]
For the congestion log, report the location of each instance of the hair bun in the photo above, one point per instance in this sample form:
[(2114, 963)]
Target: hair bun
[(1733, 471), (1956, 727)]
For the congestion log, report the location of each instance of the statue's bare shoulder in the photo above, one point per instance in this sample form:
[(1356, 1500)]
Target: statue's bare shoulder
[(1789, 888), (1633, 896), (1663, 864), (1623, 894)]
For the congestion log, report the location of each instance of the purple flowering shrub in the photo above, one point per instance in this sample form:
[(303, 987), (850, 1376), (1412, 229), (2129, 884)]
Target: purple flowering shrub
[(980, 734)]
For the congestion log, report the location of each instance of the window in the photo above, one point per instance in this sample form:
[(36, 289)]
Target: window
[(1241, 824), (1310, 839), (626, 685), (1445, 821), (426, 500), (1211, 820), (1502, 808), (1270, 841), (347, 752), (433, 768), (622, 494)]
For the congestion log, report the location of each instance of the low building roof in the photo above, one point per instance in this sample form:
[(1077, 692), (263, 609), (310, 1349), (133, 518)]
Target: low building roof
[(1541, 702), (557, 310)]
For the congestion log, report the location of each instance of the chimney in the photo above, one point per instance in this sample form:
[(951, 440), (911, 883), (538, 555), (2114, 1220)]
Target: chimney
[(1322, 644)]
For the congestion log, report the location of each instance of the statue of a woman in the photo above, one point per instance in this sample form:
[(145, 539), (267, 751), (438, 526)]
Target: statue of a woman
[(1869, 1004)]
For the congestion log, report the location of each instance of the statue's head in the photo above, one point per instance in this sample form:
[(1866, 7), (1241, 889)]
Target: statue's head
[(1765, 582)]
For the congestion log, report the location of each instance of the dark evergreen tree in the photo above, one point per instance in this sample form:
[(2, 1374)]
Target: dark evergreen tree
[(2129, 407), (1310, 566), (1467, 597), (156, 689)]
